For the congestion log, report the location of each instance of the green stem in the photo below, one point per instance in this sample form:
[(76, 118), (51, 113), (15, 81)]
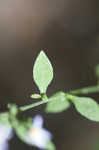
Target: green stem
[(44, 97), (86, 90), (24, 108)]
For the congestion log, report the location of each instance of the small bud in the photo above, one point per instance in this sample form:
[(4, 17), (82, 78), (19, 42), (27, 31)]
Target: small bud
[(35, 96)]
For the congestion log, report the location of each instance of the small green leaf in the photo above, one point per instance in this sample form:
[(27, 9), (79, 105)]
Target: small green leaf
[(42, 72), (87, 107), (58, 103), (35, 96)]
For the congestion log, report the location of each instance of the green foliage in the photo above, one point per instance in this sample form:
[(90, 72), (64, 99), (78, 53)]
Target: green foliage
[(35, 96), (43, 75), (57, 103), (50, 146), (13, 109), (21, 127), (42, 72), (87, 107), (4, 119), (44, 97)]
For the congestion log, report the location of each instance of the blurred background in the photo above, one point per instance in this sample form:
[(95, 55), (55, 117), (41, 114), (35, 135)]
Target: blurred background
[(67, 31)]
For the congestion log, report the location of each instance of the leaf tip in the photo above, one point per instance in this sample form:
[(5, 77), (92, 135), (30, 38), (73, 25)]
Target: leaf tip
[(42, 53)]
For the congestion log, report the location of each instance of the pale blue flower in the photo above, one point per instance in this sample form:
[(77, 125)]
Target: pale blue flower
[(37, 135), (5, 135)]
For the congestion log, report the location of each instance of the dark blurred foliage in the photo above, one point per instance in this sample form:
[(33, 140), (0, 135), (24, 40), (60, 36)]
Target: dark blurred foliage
[(67, 31)]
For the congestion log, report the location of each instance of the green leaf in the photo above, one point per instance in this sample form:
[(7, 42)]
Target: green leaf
[(13, 109), (35, 96), (87, 107), (50, 146), (42, 72), (4, 118), (58, 103), (21, 127)]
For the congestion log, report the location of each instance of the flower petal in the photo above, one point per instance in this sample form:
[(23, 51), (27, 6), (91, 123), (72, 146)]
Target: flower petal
[(39, 137), (5, 133), (38, 121), (4, 146)]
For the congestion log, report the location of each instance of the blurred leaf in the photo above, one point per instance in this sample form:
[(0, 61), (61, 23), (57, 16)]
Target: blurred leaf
[(35, 96), (87, 107), (13, 109), (50, 146), (21, 127), (58, 103), (97, 71), (4, 119), (95, 144), (42, 72)]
